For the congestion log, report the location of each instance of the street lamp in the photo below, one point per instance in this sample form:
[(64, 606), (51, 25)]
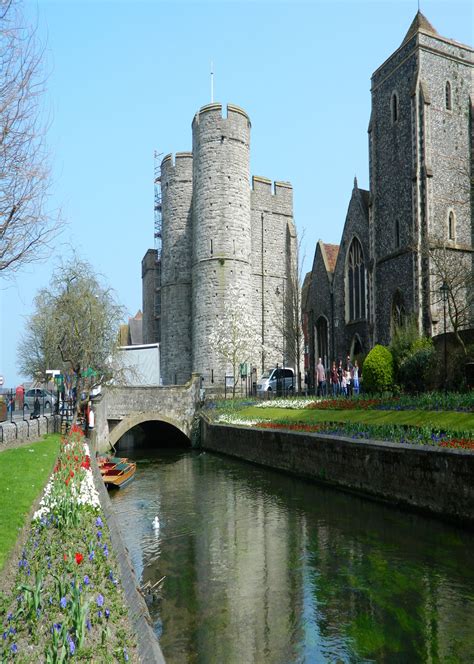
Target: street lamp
[(444, 290)]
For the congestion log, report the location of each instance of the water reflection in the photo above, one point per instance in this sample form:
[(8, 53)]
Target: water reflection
[(260, 567)]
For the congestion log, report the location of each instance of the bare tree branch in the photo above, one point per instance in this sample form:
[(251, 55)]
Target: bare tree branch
[(26, 225)]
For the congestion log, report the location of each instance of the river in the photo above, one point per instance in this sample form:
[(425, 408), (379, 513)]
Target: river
[(256, 567)]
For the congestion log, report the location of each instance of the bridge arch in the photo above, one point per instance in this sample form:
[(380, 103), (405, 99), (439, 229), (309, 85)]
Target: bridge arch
[(134, 420)]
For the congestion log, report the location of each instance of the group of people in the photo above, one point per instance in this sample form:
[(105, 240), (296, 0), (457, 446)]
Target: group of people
[(343, 379)]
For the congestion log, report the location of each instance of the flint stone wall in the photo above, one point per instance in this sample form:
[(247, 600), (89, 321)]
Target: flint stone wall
[(434, 480), (22, 431)]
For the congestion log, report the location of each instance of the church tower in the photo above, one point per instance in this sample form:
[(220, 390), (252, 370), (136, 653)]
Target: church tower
[(420, 175)]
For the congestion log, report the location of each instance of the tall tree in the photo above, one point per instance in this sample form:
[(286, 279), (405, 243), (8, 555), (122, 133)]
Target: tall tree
[(26, 225), (453, 269), (75, 325), (235, 337)]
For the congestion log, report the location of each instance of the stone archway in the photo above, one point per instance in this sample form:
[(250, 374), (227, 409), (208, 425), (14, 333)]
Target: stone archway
[(134, 420)]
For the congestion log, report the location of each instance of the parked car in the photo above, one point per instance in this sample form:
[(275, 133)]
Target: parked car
[(46, 399), (278, 380)]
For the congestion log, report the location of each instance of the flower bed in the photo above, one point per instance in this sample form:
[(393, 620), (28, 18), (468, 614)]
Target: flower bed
[(393, 433), (68, 603), (431, 401)]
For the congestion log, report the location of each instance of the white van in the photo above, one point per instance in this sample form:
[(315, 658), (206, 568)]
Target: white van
[(278, 380)]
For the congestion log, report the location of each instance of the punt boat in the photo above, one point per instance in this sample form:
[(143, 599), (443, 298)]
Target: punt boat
[(116, 471)]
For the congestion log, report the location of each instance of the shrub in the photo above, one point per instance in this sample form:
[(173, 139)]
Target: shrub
[(417, 371), (402, 342), (378, 370)]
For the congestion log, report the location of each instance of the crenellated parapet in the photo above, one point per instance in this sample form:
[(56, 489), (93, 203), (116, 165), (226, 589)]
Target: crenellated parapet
[(271, 196)]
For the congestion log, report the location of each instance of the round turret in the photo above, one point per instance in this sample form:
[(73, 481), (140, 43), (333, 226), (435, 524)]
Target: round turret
[(176, 194), (221, 226)]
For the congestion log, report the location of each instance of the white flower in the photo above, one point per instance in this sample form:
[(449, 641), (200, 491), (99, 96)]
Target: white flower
[(297, 403), (232, 419)]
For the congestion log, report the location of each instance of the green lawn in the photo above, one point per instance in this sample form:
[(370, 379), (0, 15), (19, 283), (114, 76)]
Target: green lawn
[(24, 472), (436, 419)]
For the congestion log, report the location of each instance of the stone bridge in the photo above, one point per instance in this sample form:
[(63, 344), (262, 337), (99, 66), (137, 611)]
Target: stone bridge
[(122, 408)]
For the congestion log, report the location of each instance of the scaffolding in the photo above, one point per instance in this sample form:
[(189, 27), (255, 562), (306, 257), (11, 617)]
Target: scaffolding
[(157, 241), (158, 218)]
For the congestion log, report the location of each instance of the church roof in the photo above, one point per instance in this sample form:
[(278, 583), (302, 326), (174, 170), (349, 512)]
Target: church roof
[(331, 251), (365, 196), (420, 22)]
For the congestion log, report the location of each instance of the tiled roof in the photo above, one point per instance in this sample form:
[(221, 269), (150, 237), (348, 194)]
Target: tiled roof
[(331, 251)]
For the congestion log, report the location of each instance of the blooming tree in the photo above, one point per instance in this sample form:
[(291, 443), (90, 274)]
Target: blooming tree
[(75, 326), (235, 336)]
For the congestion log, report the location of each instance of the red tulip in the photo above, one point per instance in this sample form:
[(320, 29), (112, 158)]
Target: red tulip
[(79, 558)]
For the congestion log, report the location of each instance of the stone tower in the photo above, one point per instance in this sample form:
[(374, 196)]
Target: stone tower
[(221, 225), (221, 240), (176, 293), (420, 155)]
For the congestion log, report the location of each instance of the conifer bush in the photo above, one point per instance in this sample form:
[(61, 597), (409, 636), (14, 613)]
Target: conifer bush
[(378, 370)]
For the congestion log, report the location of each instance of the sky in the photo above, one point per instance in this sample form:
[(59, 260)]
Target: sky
[(125, 79)]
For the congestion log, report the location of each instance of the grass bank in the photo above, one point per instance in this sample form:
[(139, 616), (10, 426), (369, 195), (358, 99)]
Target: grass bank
[(454, 421), (24, 472)]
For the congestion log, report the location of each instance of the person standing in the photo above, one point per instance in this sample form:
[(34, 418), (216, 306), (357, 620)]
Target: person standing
[(355, 377), (321, 378), (348, 369), (334, 380), (340, 376)]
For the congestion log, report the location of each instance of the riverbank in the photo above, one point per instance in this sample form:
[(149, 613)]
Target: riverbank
[(434, 480)]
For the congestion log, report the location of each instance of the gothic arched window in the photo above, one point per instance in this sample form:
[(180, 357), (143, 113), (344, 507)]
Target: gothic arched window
[(448, 99), (356, 281), (398, 310), (451, 225), (394, 107)]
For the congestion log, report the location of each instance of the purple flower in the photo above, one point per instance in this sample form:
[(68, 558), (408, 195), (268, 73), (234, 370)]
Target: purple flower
[(99, 614), (72, 646), (98, 522), (107, 614), (10, 617), (14, 648), (4, 635), (88, 625), (125, 654), (100, 600), (12, 630), (63, 602), (57, 626), (99, 534), (86, 580), (106, 550), (91, 555)]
